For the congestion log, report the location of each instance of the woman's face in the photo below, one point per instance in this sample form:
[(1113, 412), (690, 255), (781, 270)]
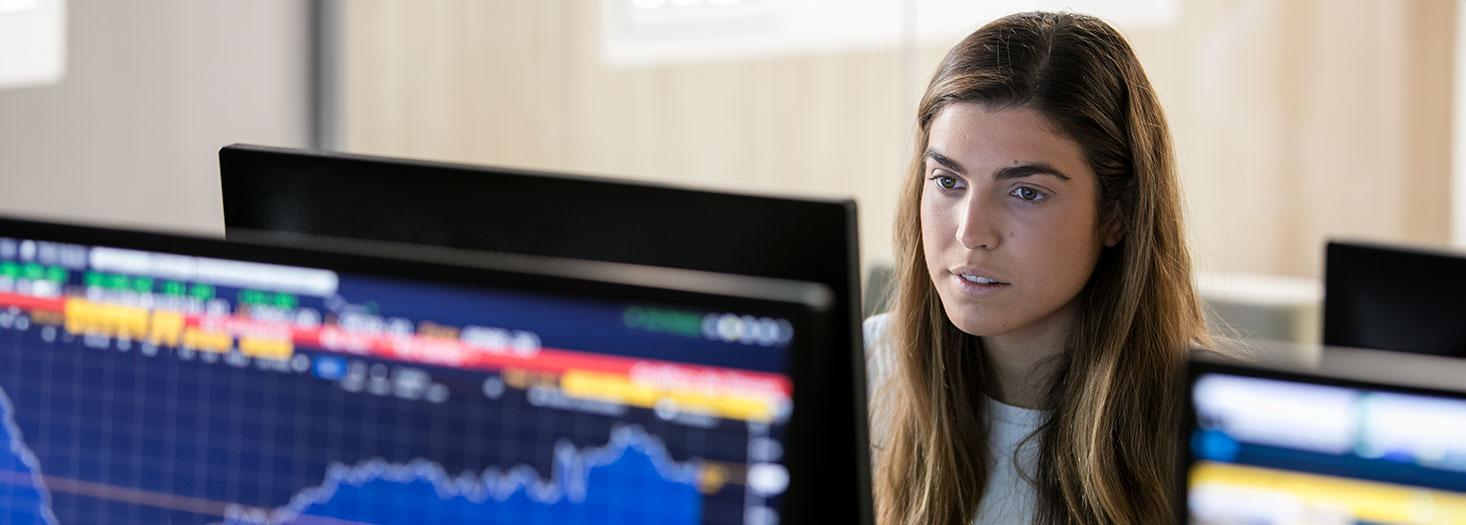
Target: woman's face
[(1009, 220)]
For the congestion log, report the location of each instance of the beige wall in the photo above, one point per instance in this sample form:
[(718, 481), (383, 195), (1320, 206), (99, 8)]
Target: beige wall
[(153, 89), (1303, 120), (520, 84), (1294, 120)]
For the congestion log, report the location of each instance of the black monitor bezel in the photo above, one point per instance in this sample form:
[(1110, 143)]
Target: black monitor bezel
[(805, 304)]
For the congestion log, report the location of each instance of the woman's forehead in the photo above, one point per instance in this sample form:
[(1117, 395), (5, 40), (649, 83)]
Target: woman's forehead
[(985, 140)]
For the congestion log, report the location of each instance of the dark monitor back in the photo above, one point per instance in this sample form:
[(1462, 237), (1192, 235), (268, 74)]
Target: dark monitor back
[(1394, 299), (519, 211)]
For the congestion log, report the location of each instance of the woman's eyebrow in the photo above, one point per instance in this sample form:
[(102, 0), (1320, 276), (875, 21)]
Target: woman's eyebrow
[(1029, 170), (944, 161), (1010, 172)]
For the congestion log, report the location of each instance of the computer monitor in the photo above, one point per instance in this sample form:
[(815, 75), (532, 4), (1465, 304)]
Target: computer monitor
[(1393, 298), (1326, 446), (150, 378), (526, 212)]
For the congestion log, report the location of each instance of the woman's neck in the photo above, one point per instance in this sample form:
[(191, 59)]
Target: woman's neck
[(1020, 363)]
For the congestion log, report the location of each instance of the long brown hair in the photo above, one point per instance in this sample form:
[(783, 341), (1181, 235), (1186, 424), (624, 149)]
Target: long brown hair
[(1106, 450)]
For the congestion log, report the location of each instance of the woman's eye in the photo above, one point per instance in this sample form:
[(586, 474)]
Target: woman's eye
[(1028, 194), (946, 182)]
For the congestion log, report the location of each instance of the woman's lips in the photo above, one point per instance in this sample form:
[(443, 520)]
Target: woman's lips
[(978, 288)]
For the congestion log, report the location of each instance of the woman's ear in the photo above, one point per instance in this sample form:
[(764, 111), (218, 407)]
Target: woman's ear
[(1114, 228)]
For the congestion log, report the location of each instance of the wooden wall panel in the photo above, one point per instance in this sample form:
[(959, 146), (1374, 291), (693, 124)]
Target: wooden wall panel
[(1294, 121)]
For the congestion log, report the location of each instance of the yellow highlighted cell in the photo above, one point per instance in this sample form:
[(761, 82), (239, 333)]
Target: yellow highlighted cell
[(278, 349), (167, 328), (1368, 501), (617, 388), (81, 316), (606, 387), (745, 408), (712, 479), (130, 322), (515, 378), (84, 317), (207, 341)]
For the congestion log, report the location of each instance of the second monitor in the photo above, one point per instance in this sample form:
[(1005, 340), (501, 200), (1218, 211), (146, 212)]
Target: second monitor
[(1391, 298), (517, 211)]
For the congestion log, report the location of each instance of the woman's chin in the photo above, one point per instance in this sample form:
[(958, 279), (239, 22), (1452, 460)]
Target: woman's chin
[(978, 327)]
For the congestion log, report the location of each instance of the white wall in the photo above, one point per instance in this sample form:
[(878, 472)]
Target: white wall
[(153, 89)]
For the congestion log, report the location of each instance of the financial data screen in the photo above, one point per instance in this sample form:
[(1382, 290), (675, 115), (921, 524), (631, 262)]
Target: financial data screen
[(147, 388), (1270, 451)]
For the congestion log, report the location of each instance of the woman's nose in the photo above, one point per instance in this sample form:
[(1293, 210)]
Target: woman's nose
[(976, 229)]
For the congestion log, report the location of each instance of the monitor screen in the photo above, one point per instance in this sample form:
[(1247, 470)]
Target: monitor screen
[(1287, 447), (1391, 298), (558, 215), (159, 379)]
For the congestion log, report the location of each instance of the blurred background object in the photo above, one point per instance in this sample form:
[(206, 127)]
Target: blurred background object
[(153, 89), (32, 42), (1295, 121)]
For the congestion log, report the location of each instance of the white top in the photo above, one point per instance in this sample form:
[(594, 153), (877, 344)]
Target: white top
[(1008, 498)]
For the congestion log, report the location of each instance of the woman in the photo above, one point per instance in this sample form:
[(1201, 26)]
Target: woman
[(1030, 368)]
